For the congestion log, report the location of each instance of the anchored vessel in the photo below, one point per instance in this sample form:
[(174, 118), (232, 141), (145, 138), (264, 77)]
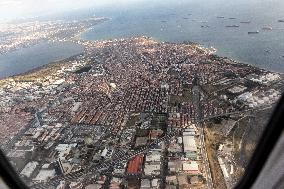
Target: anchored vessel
[(267, 28), (253, 32), (232, 26), (245, 22)]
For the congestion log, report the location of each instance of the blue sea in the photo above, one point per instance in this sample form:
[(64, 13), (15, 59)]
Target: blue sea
[(182, 20), (26, 59), (174, 21)]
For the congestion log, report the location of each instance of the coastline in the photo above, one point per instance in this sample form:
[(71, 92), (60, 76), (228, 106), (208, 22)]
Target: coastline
[(109, 73), (58, 62), (79, 35), (73, 39)]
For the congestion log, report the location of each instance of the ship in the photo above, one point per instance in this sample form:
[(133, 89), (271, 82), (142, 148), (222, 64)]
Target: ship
[(232, 26), (232, 18), (267, 28), (220, 17), (253, 32), (245, 22), (282, 20), (205, 26)]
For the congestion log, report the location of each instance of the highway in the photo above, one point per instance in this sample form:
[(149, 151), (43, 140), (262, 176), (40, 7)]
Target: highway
[(197, 93), (105, 165), (203, 151), (108, 165)]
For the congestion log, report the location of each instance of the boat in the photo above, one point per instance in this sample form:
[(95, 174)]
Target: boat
[(232, 26), (205, 26), (267, 28), (245, 22), (281, 20), (253, 32), (220, 17), (232, 18)]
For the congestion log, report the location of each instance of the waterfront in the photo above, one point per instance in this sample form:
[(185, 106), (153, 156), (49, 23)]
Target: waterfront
[(183, 21), (128, 101), (137, 112), (25, 59), (202, 22)]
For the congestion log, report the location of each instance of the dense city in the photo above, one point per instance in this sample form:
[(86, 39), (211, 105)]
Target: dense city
[(135, 113), (14, 36)]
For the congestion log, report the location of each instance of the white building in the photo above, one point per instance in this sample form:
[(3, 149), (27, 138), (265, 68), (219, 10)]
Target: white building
[(191, 167), (189, 143), (29, 169)]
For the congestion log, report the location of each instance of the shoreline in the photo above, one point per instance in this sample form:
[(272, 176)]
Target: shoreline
[(193, 43), (48, 63), (64, 60), (79, 35)]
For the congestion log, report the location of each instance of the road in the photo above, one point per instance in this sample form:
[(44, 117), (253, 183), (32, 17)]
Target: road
[(203, 151), (197, 93), (105, 165)]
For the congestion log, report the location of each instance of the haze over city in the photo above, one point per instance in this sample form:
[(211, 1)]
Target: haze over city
[(137, 93), (16, 9)]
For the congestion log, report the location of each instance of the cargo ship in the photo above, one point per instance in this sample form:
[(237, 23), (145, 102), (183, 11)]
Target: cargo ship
[(205, 26), (253, 32), (267, 28), (245, 22), (232, 26)]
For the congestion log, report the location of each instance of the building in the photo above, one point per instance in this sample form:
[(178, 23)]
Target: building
[(191, 167), (145, 184), (195, 180), (182, 180), (153, 157), (64, 149), (140, 141), (171, 180), (174, 166), (189, 146), (29, 169), (93, 186), (152, 169), (44, 175), (134, 165)]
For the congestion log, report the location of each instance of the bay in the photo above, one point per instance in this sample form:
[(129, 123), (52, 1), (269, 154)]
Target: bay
[(26, 59)]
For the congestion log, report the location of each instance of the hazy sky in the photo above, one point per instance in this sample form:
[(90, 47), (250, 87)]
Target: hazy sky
[(10, 9)]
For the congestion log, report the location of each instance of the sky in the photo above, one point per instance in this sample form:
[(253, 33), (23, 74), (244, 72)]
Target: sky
[(13, 9)]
